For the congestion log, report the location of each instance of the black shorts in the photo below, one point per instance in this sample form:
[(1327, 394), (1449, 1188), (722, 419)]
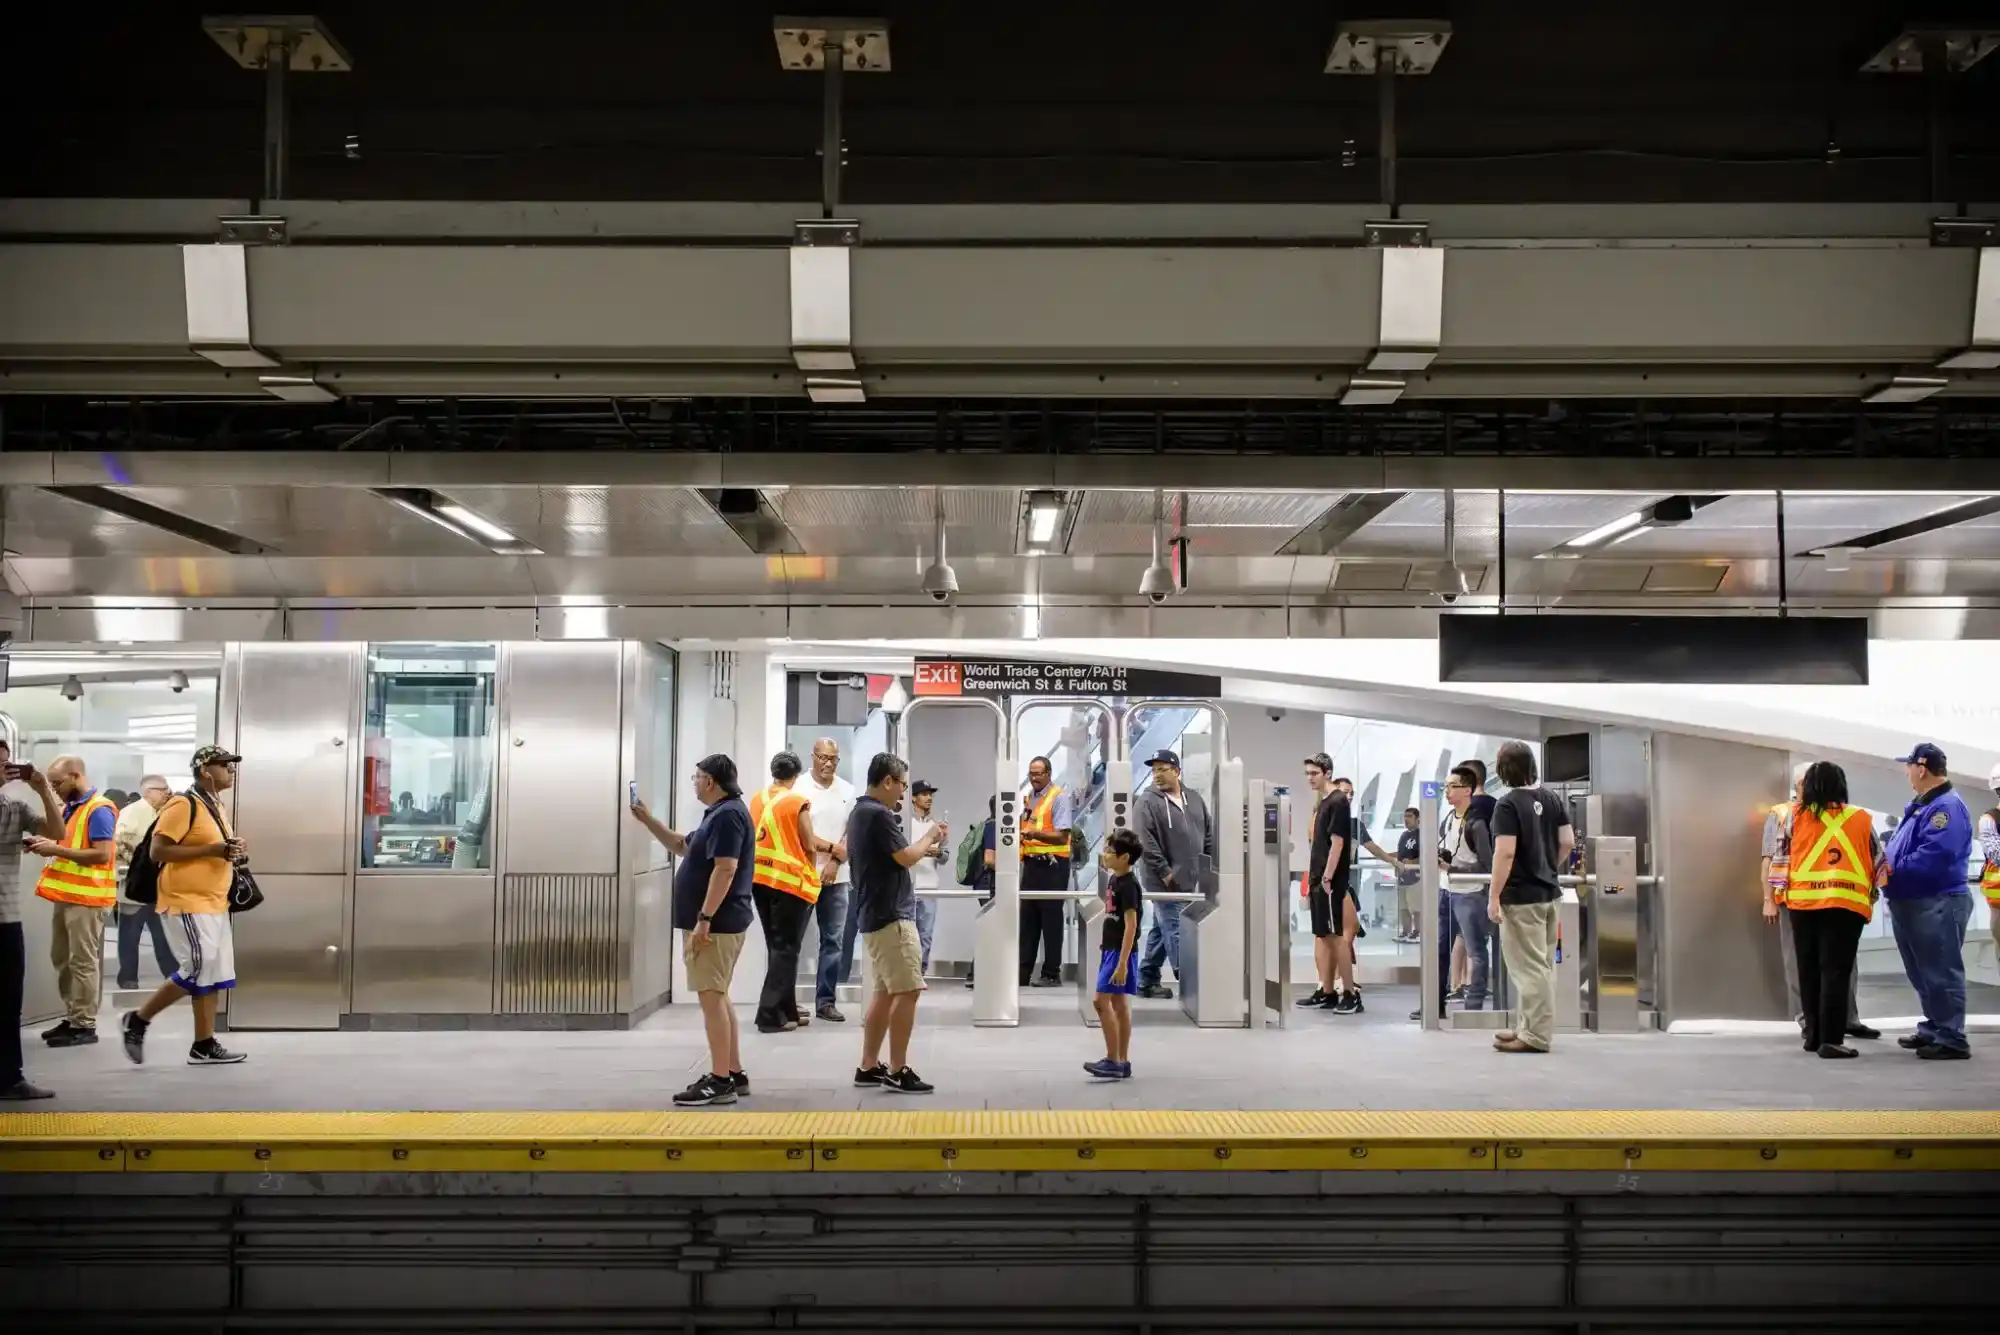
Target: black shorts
[(1322, 912)]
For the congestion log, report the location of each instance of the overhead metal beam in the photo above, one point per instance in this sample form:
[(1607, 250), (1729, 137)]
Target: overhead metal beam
[(117, 503), (1191, 472)]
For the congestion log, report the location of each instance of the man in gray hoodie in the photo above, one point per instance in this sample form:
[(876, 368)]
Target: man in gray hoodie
[(1177, 838)]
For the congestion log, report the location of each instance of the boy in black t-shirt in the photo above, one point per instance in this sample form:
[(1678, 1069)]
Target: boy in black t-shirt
[(1117, 971)]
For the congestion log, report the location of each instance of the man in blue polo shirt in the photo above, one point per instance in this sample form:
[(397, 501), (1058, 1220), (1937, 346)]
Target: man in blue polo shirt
[(1929, 903)]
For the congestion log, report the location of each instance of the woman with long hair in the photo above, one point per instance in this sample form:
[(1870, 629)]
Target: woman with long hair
[(1836, 868)]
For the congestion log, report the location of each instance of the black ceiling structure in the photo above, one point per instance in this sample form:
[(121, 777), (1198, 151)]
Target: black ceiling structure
[(1957, 428), (1042, 101)]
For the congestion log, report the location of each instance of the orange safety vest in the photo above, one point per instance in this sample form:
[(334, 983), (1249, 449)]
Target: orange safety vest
[(1781, 861), (1989, 880), (1833, 861), (1038, 830), (781, 863), (72, 882)]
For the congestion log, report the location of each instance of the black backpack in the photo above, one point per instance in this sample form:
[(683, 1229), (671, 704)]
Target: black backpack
[(142, 874)]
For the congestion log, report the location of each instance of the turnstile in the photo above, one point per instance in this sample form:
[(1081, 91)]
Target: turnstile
[(1269, 889)]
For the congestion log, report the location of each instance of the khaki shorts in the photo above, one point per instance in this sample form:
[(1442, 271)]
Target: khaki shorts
[(710, 969), (895, 958)]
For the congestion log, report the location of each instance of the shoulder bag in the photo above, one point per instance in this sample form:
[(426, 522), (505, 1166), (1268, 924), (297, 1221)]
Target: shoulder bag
[(244, 893)]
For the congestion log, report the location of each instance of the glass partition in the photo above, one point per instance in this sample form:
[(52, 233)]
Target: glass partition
[(428, 764)]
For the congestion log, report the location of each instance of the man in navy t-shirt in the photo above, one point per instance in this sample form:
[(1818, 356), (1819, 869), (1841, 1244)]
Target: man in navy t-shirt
[(712, 906)]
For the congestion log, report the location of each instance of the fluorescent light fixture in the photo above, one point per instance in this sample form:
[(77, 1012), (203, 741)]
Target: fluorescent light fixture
[(478, 523), (1610, 530), (455, 518), (1042, 530), (1627, 535), (1839, 559)]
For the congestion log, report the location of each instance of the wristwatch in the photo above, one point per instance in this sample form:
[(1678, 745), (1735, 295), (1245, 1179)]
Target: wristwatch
[(704, 917)]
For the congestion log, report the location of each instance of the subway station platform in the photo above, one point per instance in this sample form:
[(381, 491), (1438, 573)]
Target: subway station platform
[(1350, 1171), (1375, 1061)]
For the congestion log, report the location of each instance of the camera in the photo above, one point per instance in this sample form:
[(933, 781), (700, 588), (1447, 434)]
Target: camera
[(940, 583), (1449, 596), (177, 681), (1274, 713), (1157, 584)]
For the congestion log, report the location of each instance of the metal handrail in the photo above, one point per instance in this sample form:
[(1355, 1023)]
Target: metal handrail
[(1483, 878)]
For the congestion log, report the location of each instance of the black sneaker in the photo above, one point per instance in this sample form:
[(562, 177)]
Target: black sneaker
[(1318, 998), (1456, 994), (208, 1052), (741, 1082), (1347, 1003), (1938, 1052), (1157, 991), (905, 1081), (1912, 1042), (23, 1092), (829, 1014), (133, 1030), (1862, 1031), (868, 1077), (711, 1089), (75, 1038)]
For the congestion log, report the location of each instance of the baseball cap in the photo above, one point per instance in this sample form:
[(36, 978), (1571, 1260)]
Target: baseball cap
[(1926, 754), (923, 786), (1165, 758), (213, 755)]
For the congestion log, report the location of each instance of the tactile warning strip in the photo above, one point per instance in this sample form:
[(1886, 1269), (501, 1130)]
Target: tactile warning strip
[(989, 1141)]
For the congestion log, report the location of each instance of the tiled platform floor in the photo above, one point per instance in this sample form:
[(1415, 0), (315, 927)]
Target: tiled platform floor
[(1375, 1061)]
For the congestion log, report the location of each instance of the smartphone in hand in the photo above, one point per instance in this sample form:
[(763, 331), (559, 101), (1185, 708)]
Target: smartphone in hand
[(632, 793)]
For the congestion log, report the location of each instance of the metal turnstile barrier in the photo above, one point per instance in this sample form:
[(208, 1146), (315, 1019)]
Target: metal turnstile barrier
[(1599, 947), (1215, 930), (996, 982), (1268, 959)]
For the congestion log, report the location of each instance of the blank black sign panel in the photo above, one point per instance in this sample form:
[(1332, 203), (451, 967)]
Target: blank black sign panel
[(1667, 650)]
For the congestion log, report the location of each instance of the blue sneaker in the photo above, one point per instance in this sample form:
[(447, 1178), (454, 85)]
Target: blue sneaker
[(1124, 1070), (1103, 1069)]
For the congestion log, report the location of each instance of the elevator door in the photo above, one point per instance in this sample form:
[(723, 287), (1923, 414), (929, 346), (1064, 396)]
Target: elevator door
[(296, 713)]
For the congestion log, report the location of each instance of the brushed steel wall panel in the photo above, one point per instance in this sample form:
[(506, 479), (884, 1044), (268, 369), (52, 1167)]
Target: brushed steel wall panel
[(714, 304), (558, 944), (1804, 303), (1717, 959), (288, 955), (1141, 303), (653, 950), (423, 944), (93, 301), (562, 798), (298, 727)]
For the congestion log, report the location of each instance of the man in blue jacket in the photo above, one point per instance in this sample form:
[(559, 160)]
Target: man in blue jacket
[(1929, 903)]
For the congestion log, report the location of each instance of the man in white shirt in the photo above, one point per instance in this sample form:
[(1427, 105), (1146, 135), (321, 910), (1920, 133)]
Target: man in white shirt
[(135, 822), (832, 799), (924, 873)]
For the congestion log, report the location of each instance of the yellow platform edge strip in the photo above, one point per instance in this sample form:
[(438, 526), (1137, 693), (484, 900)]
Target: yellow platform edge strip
[(971, 1141)]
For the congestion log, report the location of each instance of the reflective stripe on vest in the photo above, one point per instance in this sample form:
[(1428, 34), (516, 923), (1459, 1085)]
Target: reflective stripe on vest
[(1038, 837), (781, 864), (72, 882), (1782, 860), (1989, 880), (1837, 868)]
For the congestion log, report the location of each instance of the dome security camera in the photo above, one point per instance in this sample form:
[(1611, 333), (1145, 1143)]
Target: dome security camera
[(72, 688), (177, 681), (940, 583), (1157, 584)]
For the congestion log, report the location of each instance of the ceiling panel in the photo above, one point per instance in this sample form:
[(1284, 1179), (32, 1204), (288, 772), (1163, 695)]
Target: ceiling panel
[(1217, 523), (1536, 522), (605, 521), (897, 521), (310, 521), (41, 523)]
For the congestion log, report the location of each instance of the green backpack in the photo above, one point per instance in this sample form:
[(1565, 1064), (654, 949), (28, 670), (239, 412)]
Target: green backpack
[(969, 846)]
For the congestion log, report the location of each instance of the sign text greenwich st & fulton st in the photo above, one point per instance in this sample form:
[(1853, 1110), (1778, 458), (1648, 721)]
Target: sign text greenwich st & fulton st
[(962, 677)]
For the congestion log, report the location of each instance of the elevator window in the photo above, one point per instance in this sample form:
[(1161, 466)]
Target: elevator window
[(428, 765)]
